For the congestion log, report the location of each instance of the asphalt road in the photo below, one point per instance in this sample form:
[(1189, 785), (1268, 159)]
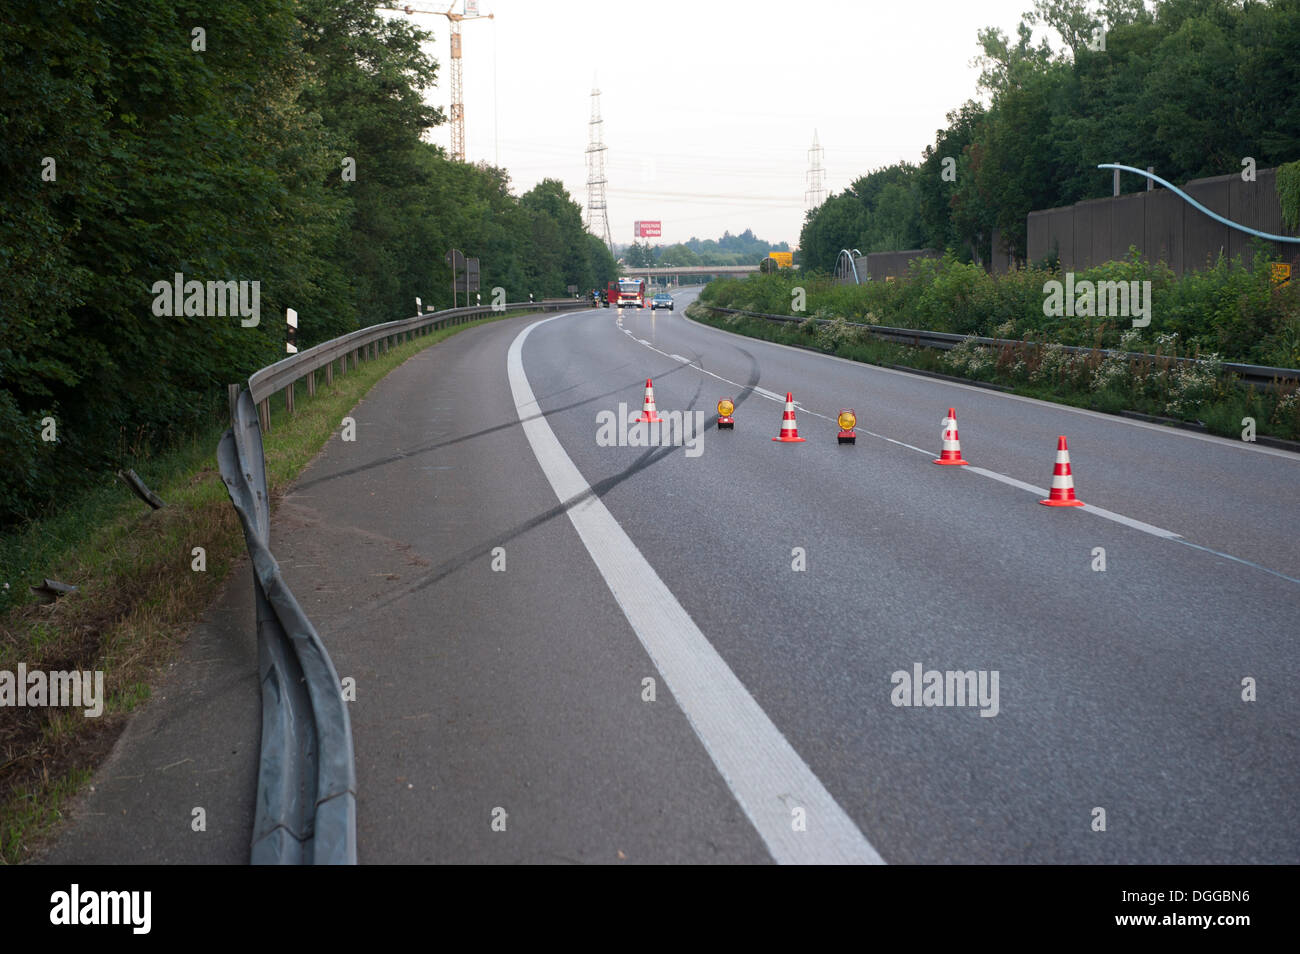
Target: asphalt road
[(518, 698)]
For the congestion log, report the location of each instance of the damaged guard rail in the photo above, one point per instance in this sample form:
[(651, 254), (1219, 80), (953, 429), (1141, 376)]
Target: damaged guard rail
[(306, 780)]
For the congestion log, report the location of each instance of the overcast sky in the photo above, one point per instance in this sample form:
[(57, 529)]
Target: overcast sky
[(710, 105)]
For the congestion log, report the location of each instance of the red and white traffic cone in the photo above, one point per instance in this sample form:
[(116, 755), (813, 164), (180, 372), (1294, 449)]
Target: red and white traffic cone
[(951, 453), (1062, 494), (648, 413), (789, 429)]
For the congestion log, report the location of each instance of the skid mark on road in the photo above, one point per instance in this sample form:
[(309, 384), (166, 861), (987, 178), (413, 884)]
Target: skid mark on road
[(764, 772)]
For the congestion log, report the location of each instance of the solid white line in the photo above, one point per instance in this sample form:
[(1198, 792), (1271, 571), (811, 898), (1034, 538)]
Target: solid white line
[(1135, 524), (763, 771), (994, 475)]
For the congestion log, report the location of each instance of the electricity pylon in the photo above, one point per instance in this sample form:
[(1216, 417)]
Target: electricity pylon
[(813, 197), (597, 215)]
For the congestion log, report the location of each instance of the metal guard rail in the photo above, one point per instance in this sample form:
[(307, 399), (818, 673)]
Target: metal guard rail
[(306, 781), (1260, 376)]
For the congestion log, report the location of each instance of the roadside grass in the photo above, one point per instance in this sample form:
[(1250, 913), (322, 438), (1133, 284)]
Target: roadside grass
[(138, 591), (1157, 388)]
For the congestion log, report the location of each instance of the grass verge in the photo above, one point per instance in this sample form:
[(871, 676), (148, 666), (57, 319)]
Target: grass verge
[(139, 591)]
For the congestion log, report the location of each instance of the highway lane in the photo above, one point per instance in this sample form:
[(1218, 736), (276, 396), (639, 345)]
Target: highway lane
[(523, 690), (480, 690), (1119, 689)]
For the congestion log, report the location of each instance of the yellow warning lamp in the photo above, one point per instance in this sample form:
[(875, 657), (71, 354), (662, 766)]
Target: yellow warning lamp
[(726, 407), (847, 422)]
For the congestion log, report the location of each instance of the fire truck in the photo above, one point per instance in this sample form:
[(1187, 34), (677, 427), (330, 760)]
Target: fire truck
[(626, 291)]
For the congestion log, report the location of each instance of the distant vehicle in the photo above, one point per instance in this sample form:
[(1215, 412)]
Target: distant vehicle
[(610, 296), (630, 291), (661, 300)]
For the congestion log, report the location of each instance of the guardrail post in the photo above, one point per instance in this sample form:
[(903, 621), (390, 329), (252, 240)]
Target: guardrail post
[(329, 374), (264, 415), (288, 398), (311, 383)]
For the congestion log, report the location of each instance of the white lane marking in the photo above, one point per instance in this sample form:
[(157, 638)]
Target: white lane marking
[(764, 392), (763, 771), (994, 475), (1119, 518), (1135, 524), (1090, 508), (647, 344), (678, 357)]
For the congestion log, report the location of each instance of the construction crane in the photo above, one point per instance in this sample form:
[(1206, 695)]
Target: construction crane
[(457, 82)]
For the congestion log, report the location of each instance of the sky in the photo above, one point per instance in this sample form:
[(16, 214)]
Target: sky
[(709, 106)]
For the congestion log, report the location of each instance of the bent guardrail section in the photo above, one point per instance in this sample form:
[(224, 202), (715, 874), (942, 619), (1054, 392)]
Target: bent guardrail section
[(306, 781), (1259, 376)]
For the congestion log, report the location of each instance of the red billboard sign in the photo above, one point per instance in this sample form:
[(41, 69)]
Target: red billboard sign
[(646, 229)]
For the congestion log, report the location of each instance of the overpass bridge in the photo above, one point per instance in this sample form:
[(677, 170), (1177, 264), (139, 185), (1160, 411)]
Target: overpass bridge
[(686, 274)]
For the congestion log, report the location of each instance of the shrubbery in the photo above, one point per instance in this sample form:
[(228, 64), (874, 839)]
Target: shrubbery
[(1226, 309), (1224, 312)]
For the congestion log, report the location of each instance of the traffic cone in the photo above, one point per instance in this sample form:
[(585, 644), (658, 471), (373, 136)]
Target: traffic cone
[(1062, 479), (648, 413), (951, 453), (789, 429)]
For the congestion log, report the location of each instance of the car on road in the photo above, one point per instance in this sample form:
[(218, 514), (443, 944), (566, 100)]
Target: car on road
[(661, 300)]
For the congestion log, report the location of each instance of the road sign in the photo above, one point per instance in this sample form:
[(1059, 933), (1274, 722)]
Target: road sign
[(468, 280), (647, 229), (1281, 272), (783, 259)]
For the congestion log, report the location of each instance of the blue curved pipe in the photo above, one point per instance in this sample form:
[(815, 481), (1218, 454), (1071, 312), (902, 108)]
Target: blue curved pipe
[(1214, 215)]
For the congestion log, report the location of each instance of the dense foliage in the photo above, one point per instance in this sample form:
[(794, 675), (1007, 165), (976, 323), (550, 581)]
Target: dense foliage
[(1236, 312), (742, 249), (276, 141), (1191, 87), (1153, 381)]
